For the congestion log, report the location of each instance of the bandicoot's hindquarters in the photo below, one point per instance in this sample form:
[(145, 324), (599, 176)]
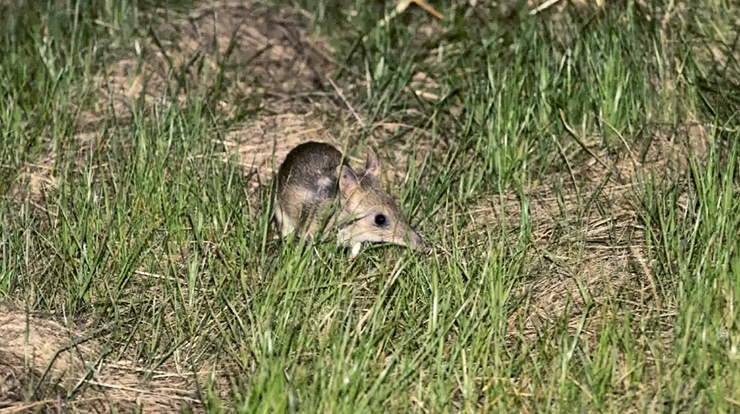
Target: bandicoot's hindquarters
[(306, 188), (316, 188)]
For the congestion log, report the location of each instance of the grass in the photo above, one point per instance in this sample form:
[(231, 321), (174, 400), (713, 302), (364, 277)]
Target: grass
[(577, 174)]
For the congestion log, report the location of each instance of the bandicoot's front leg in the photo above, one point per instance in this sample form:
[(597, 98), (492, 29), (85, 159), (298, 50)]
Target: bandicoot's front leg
[(355, 250)]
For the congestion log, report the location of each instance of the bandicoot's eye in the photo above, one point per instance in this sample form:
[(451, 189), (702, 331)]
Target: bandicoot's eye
[(381, 220)]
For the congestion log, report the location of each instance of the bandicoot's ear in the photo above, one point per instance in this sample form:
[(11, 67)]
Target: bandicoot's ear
[(347, 181), (372, 168)]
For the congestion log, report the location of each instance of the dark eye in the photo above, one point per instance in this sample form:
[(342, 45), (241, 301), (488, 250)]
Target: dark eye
[(381, 220)]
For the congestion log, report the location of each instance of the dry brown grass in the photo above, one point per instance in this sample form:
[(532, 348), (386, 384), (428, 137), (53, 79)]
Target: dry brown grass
[(182, 58), (67, 368), (590, 238)]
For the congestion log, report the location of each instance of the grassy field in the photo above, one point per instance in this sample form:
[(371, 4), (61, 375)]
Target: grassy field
[(576, 170)]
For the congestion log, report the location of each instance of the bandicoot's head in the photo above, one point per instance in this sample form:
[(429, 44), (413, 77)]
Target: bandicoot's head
[(369, 214)]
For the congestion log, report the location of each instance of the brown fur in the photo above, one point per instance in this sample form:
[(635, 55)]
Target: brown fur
[(316, 190)]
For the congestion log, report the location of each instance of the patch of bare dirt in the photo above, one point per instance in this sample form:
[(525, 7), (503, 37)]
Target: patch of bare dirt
[(261, 59), (260, 146), (589, 243), (249, 49), (33, 180), (68, 370), (269, 54)]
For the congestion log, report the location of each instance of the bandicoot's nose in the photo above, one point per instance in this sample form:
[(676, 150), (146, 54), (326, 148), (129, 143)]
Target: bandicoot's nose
[(418, 243)]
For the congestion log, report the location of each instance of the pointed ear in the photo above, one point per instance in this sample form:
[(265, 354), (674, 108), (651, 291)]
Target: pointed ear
[(372, 168), (347, 181)]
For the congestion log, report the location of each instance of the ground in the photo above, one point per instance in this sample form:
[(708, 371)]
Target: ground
[(573, 164)]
